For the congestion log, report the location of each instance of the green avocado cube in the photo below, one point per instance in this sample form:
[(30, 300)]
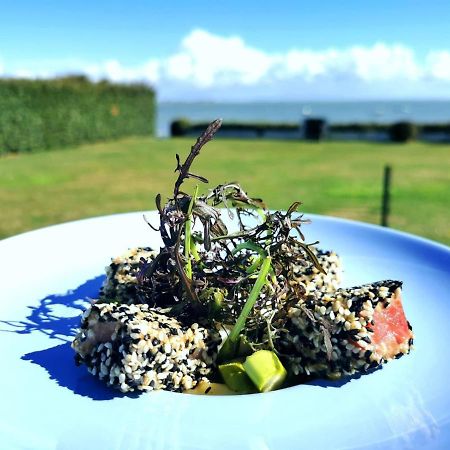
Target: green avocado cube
[(265, 370)]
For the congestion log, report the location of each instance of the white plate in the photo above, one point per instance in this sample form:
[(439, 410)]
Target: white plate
[(48, 403)]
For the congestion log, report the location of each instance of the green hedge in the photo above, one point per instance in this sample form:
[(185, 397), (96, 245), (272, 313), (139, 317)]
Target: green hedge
[(397, 132), (183, 127), (359, 127), (43, 114)]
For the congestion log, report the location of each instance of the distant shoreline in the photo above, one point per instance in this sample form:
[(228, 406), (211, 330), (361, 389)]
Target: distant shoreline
[(290, 102), (373, 111)]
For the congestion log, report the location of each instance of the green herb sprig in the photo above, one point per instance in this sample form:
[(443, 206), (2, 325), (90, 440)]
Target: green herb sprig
[(239, 280)]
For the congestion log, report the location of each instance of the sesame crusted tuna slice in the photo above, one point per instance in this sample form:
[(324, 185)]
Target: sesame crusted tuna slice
[(121, 282), (135, 347), (315, 281), (353, 330)]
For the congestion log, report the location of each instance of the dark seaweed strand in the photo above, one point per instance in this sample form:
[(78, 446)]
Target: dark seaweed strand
[(225, 270), (183, 170)]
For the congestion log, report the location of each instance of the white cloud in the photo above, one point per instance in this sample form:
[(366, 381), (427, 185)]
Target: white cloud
[(113, 70), (208, 65), (206, 59), (23, 73), (306, 63), (439, 64), (384, 62)]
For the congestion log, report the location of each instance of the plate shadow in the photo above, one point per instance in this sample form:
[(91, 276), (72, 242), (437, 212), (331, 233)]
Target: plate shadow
[(59, 363), (58, 316), (326, 383), (46, 318)]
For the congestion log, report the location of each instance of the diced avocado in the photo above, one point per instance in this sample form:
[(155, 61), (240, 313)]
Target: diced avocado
[(235, 377), (265, 370)]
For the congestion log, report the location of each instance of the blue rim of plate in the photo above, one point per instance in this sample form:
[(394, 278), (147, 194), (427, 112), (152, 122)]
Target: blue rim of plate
[(401, 405)]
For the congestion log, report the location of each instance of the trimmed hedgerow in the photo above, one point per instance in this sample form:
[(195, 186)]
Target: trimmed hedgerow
[(44, 114), (397, 132), (184, 127)]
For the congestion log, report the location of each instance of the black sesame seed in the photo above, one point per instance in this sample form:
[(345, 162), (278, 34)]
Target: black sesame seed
[(127, 340)]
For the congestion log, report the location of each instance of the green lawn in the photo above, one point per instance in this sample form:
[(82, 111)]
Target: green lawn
[(335, 178)]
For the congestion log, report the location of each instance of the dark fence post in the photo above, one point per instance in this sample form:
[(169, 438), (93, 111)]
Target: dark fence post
[(314, 129), (386, 200)]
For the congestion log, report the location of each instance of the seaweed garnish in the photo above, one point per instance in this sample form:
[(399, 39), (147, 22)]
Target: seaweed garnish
[(204, 273)]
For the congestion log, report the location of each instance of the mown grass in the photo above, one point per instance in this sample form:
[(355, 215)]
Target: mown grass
[(335, 178)]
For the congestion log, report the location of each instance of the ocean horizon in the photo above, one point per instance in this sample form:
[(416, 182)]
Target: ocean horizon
[(417, 111)]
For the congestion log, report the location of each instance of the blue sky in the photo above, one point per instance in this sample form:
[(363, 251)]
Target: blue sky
[(236, 50)]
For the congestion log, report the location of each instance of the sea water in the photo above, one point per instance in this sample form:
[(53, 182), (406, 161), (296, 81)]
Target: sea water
[(333, 112)]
